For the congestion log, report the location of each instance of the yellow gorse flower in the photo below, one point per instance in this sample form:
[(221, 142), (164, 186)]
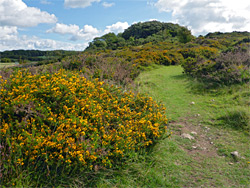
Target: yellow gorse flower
[(65, 118)]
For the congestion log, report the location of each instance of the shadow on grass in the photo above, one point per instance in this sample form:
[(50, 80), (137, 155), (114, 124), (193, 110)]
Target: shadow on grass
[(238, 119), (202, 87), (179, 77), (198, 87)]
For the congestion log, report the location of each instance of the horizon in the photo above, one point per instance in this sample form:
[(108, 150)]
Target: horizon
[(70, 25)]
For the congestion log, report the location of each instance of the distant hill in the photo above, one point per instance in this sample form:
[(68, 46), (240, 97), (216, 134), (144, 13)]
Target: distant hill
[(33, 55), (142, 33), (234, 34)]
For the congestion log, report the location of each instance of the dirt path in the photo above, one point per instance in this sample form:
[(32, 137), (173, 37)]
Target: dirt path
[(202, 145)]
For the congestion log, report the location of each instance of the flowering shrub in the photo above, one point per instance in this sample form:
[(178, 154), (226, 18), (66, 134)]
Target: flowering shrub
[(194, 52), (227, 68), (103, 66), (147, 55), (60, 122)]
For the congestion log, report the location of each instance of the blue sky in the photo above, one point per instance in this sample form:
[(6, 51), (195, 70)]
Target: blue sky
[(71, 24)]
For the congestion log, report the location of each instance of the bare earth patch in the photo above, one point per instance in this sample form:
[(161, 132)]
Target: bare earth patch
[(203, 143)]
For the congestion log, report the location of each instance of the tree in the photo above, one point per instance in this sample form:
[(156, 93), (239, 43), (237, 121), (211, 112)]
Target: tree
[(6, 60), (184, 35)]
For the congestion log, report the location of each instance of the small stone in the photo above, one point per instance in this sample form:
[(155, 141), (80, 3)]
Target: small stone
[(235, 154), (194, 133), (177, 164), (194, 147), (211, 143), (207, 128), (230, 163), (188, 136), (192, 103)]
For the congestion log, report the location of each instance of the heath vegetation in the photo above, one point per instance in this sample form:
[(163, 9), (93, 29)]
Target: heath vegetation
[(95, 118)]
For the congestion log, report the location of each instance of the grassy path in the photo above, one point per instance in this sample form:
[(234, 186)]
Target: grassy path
[(170, 86), (206, 160)]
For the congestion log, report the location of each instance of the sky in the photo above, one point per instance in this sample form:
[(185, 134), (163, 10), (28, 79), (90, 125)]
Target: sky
[(72, 24)]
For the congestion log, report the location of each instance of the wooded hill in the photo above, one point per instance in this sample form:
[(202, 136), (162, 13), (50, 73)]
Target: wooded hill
[(142, 33), (155, 32)]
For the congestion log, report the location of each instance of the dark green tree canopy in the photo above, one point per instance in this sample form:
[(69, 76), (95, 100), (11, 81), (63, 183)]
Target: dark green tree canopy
[(184, 35), (145, 29), (107, 41), (141, 33)]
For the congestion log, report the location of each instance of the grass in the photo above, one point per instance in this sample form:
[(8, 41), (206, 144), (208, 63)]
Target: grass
[(171, 87), (2, 65), (223, 111)]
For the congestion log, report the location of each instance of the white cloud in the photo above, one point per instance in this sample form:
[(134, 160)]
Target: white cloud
[(10, 39), (117, 27), (8, 32), (47, 44), (64, 29), (17, 13), (153, 19), (87, 33), (79, 3), (107, 5), (209, 15), (25, 42)]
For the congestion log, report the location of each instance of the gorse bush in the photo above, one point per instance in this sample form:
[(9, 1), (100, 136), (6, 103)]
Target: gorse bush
[(148, 55), (58, 123), (202, 51)]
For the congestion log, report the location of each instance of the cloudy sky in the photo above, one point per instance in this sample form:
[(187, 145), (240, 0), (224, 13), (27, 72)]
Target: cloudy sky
[(71, 24)]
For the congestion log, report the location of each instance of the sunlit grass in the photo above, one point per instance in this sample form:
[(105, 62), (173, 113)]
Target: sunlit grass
[(2, 65)]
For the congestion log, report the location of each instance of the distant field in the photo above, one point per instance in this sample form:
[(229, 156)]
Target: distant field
[(6, 65)]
